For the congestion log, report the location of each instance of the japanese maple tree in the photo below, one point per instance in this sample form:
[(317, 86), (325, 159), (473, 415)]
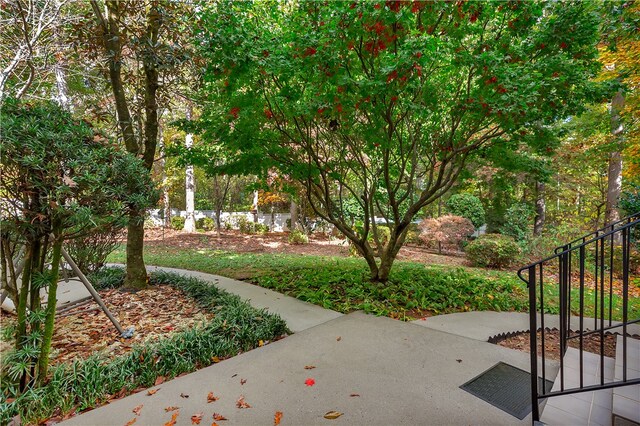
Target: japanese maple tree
[(383, 103)]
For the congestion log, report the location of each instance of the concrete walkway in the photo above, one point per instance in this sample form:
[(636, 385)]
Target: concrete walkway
[(375, 370)]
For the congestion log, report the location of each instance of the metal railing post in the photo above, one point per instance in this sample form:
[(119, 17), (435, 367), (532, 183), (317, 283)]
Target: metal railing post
[(533, 344)]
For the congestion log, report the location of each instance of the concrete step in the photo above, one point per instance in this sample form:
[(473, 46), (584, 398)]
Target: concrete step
[(587, 408), (626, 399)]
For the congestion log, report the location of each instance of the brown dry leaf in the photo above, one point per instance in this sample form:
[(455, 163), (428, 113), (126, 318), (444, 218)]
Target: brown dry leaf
[(167, 409), (277, 418), (332, 415), (196, 418), (160, 380), (184, 395), (243, 381), (219, 417), (130, 422), (173, 420), (309, 367), (212, 398), (354, 394), (241, 403), (339, 338), (215, 359), (152, 391), (137, 409)]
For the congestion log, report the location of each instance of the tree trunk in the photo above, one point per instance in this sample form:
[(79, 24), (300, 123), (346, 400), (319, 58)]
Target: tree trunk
[(293, 210), (541, 209), (614, 176), (47, 336), (190, 184), (254, 207), (136, 271)]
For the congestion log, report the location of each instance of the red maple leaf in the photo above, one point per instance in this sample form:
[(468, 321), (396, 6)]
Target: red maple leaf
[(309, 382)]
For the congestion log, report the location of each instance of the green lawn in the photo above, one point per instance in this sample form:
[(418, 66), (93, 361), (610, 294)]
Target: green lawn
[(342, 284)]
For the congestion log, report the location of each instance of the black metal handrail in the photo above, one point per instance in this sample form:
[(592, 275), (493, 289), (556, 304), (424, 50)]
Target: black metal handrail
[(602, 261)]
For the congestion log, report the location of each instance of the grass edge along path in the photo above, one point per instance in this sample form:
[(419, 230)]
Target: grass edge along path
[(236, 327)]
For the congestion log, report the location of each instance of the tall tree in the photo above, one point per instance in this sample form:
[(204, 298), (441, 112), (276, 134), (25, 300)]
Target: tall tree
[(190, 182), (382, 104), (143, 44)]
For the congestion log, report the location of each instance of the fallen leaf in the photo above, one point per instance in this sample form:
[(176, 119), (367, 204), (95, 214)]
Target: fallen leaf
[(212, 398), (243, 381), (309, 382), (215, 359), (309, 367), (241, 403), (219, 417), (214, 424), (196, 418), (332, 415), (234, 375), (167, 409), (130, 422), (277, 418), (152, 391), (261, 343), (184, 395), (459, 360), (339, 338), (354, 394), (173, 420), (160, 380), (137, 409)]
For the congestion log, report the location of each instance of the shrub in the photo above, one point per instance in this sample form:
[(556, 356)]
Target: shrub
[(177, 222), (493, 251), (260, 228), (517, 223), (448, 230), (90, 252), (468, 206), (206, 224), (244, 225), (298, 237)]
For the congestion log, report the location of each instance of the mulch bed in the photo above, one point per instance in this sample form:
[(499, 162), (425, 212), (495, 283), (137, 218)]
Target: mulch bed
[(591, 343)]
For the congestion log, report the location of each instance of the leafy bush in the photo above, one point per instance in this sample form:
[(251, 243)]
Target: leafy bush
[(206, 224), (468, 206), (298, 237), (448, 230), (244, 225), (517, 223), (235, 328), (177, 222), (630, 201), (90, 252), (260, 228), (493, 251)]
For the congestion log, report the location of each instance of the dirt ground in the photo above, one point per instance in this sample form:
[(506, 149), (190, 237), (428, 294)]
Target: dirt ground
[(277, 242)]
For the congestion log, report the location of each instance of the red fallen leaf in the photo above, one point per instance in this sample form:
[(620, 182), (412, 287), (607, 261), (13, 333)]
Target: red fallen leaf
[(152, 391), (130, 422), (159, 380), (354, 394), (309, 367), (219, 417), (241, 403), (137, 409), (167, 409), (243, 381), (173, 420), (196, 418), (214, 424), (309, 382), (212, 398), (277, 418)]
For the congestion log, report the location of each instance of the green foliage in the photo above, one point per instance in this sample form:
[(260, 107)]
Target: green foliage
[(177, 222), (298, 237), (630, 200), (518, 223), (90, 252), (235, 328), (468, 206), (493, 251), (206, 224)]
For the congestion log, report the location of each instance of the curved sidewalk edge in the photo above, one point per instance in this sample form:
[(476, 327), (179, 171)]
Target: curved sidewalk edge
[(487, 324), (298, 315)]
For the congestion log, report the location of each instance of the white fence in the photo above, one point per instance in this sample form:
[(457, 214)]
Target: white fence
[(276, 224)]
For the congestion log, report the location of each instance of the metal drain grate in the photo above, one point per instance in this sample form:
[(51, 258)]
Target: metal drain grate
[(505, 387)]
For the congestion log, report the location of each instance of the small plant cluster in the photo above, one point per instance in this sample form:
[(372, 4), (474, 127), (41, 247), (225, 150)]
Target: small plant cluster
[(248, 227), (177, 222), (493, 251), (467, 206), (298, 237), (206, 224), (236, 327)]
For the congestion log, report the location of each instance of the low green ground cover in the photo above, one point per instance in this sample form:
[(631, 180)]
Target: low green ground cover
[(342, 284), (236, 327)]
